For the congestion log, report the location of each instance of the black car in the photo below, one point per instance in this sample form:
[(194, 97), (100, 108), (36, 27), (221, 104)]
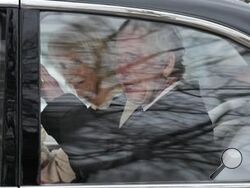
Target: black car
[(122, 93)]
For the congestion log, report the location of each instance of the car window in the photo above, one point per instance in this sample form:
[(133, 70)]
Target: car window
[(136, 101)]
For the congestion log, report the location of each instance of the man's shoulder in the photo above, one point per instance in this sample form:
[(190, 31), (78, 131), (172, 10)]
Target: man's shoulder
[(184, 95), (188, 85)]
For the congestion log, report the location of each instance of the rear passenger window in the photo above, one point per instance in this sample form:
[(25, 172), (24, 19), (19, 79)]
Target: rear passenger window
[(135, 101)]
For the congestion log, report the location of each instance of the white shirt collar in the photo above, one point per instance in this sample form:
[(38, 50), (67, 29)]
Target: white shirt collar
[(127, 112), (131, 107)]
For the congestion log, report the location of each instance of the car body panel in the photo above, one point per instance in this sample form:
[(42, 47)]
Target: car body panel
[(142, 13), (10, 166), (230, 13), (9, 3)]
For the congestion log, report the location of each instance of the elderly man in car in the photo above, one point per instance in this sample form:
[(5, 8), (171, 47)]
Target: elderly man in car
[(156, 130)]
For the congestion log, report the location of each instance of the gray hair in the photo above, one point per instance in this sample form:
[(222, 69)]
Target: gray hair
[(89, 41), (160, 38), (86, 48), (84, 35)]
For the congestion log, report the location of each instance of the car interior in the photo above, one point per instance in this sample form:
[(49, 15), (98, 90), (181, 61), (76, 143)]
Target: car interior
[(219, 66)]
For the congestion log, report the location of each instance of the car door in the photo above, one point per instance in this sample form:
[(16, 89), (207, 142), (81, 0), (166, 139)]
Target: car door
[(9, 93), (122, 97)]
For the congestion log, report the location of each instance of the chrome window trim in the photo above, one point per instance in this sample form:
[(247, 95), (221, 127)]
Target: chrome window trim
[(197, 185), (9, 3), (233, 34)]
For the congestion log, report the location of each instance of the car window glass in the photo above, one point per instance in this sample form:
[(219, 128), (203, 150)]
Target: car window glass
[(135, 101)]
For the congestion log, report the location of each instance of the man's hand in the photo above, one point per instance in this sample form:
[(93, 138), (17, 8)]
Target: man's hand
[(50, 88)]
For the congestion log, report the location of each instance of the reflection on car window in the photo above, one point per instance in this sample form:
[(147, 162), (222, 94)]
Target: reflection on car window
[(126, 100)]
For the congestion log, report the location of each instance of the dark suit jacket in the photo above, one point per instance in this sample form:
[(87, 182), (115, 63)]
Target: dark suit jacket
[(171, 141)]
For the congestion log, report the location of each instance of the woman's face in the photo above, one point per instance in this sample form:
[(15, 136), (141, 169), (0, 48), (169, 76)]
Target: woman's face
[(83, 79)]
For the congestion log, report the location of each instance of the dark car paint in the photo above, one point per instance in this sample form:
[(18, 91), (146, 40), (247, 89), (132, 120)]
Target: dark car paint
[(230, 13), (23, 109), (30, 61), (10, 164), (20, 144)]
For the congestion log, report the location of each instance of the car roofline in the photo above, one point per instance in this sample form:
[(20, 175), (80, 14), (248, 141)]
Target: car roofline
[(231, 13), (207, 25)]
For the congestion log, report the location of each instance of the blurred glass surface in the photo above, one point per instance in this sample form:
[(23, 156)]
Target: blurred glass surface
[(137, 101)]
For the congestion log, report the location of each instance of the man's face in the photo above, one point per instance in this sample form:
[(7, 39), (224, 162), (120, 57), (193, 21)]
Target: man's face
[(138, 71)]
